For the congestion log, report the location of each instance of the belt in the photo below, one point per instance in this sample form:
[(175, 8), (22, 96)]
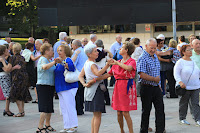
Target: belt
[(149, 85)]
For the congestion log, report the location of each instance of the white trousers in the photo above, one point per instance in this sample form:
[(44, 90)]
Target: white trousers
[(68, 108)]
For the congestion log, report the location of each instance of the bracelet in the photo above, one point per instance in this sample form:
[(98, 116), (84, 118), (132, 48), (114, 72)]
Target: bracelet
[(94, 80)]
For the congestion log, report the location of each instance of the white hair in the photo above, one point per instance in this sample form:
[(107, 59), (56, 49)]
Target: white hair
[(160, 36), (62, 35), (131, 38), (194, 41), (150, 40), (118, 36), (39, 40), (92, 36), (77, 42), (89, 48)]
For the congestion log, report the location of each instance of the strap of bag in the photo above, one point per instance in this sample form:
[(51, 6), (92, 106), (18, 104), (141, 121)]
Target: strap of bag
[(191, 73)]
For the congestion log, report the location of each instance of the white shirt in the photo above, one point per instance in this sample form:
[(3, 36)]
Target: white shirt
[(181, 44), (136, 54), (182, 72), (37, 53), (90, 42)]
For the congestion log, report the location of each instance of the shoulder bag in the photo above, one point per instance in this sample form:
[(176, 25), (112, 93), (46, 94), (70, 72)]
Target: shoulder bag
[(181, 91)]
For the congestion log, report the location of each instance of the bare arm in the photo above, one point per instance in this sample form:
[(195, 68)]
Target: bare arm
[(149, 78), (91, 82), (35, 58), (122, 65), (76, 55), (97, 72), (163, 60), (110, 54), (49, 65), (160, 53), (81, 77), (6, 68)]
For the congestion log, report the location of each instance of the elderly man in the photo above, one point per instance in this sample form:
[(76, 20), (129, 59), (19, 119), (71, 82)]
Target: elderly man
[(8, 39), (116, 45), (32, 40), (196, 52), (93, 38), (38, 44), (79, 58), (62, 36), (148, 67), (84, 42), (191, 38)]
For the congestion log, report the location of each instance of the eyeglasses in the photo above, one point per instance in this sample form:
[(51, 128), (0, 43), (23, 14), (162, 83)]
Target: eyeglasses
[(189, 50)]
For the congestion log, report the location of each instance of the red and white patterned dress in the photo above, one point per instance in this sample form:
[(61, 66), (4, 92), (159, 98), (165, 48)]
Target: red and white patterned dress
[(121, 100)]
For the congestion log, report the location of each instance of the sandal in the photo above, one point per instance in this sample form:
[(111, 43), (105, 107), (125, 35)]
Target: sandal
[(40, 130), (19, 115), (49, 128)]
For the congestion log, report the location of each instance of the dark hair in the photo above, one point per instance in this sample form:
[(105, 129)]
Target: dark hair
[(136, 41), (130, 47), (183, 48), (159, 41), (29, 45), (182, 38), (45, 39), (2, 49), (127, 39)]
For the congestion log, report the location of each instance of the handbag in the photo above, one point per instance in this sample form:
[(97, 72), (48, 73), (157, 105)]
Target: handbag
[(181, 91), (71, 77)]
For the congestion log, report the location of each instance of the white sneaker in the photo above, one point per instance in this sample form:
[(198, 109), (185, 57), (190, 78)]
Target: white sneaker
[(64, 131), (184, 122), (198, 123)]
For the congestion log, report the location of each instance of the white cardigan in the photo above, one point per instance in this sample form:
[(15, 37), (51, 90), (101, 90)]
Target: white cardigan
[(182, 72)]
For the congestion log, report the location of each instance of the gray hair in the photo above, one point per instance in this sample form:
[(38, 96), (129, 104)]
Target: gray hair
[(194, 41), (89, 48), (118, 36), (39, 40), (62, 35), (99, 43), (92, 36), (150, 40), (77, 43), (31, 38)]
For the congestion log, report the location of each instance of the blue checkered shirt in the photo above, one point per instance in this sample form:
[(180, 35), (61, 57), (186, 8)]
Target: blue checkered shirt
[(150, 66)]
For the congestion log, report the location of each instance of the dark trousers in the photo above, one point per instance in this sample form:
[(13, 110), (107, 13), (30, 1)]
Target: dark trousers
[(79, 99), (112, 81), (172, 83), (149, 95), (106, 93), (163, 81)]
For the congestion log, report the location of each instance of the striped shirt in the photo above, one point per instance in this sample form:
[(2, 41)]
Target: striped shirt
[(150, 66)]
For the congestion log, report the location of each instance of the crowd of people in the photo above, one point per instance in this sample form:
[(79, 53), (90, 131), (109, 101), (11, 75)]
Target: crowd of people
[(133, 70)]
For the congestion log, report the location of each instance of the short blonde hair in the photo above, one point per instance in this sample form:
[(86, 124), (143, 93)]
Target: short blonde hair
[(17, 47), (191, 35), (45, 47), (67, 50), (172, 43)]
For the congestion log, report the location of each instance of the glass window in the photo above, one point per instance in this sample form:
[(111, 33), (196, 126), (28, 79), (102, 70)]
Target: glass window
[(184, 27), (160, 28), (197, 27)]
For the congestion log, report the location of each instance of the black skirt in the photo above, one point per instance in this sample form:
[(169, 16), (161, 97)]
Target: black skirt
[(97, 104), (45, 98)]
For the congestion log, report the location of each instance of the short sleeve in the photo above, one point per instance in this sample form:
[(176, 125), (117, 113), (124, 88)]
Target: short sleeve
[(141, 65), (70, 63), (41, 63), (132, 63)]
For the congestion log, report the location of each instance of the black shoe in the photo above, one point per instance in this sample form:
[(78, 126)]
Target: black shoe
[(8, 113), (80, 113), (36, 101)]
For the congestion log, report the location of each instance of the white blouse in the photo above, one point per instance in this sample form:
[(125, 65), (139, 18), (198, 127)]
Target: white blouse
[(182, 72)]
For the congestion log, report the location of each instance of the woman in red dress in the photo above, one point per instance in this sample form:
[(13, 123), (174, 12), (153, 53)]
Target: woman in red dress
[(124, 97)]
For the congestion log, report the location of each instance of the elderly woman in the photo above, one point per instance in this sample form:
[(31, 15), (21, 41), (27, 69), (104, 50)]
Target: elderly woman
[(5, 81), (93, 95), (190, 83), (19, 89), (29, 58), (45, 87), (124, 96), (66, 91)]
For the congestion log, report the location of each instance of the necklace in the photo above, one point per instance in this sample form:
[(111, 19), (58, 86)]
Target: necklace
[(123, 61)]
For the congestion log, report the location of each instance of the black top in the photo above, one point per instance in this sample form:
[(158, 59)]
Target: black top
[(1, 64)]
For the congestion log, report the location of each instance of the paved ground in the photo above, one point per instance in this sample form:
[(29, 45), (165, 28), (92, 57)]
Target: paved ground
[(29, 123)]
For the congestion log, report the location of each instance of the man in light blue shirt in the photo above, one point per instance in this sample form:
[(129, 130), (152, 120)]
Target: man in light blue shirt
[(79, 61), (117, 45), (62, 36), (196, 52)]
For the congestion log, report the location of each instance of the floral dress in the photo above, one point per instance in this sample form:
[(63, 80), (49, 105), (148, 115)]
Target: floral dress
[(124, 95)]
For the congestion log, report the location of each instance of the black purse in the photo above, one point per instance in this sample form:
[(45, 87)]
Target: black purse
[(181, 91)]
